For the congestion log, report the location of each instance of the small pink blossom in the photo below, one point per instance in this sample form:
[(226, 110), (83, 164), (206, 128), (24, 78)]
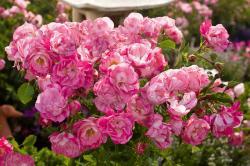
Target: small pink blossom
[(5, 147), (73, 73), (239, 89), (124, 78), (216, 37), (52, 105), (223, 123), (140, 108), (90, 135), (236, 139), (140, 148), (65, 144), (161, 134), (17, 159), (118, 126), (195, 131), (2, 64)]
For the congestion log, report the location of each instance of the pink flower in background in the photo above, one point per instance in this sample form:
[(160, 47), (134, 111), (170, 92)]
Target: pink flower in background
[(211, 1), (216, 37), (65, 144), (5, 147), (2, 64), (15, 159), (118, 126), (185, 7), (195, 130), (223, 123), (236, 139), (160, 133), (239, 89), (140, 148), (88, 132), (52, 105)]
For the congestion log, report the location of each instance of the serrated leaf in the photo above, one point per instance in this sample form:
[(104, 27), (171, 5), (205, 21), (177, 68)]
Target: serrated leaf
[(25, 93), (30, 140), (167, 44)]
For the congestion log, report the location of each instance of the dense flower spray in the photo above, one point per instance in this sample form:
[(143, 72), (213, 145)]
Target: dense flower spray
[(120, 71)]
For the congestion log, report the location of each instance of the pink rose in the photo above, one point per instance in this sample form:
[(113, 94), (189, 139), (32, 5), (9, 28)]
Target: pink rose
[(151, 27), (59, 38), (124, 78), (38, 63), (176, 124), (236, 139), (73, 73), (109, 60), (52, 105), (216, 37), (108, 99), (239, 89), (2, 64), (175, 34), (198, 78), (90, 135), (133, 22), (226, 120), (161, 134), (156, 66), (182, 107), (5, 147), (118, 126), (65, 144), (140, 109), (14, 159), (139, 54), (195, 131)]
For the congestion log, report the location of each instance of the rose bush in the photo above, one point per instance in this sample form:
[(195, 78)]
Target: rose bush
[(99, 83)]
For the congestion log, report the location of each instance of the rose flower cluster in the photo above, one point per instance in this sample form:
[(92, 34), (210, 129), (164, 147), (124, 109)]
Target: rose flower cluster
[(71, 60), (20, 7), (9, 157)]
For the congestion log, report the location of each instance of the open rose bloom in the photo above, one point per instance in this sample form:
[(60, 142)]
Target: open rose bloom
[(99, 82)]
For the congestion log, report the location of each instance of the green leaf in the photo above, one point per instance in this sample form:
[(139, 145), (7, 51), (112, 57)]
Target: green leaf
[(25, 93), (232, 84), (167, 44), (195, 149), (14, 143), (89, 158), (213, 56), (221, 97), (30, 140)]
